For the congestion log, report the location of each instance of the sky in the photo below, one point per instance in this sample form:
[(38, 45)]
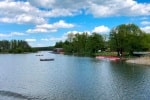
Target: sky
[(45, 22)]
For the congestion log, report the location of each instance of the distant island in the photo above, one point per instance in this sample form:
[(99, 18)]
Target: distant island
[(20, 46)]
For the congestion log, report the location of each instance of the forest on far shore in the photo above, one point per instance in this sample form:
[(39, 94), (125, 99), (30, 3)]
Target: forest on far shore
[(123, 39), (14, 46), (20, 46)]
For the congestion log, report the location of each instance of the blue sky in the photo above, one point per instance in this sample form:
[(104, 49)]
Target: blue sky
[(44, 22)]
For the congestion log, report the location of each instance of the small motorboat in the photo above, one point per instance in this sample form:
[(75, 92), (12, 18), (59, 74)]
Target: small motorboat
[(51, 59), (39, 55)]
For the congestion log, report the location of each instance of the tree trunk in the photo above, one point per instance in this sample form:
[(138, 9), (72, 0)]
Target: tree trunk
[(118, 52)]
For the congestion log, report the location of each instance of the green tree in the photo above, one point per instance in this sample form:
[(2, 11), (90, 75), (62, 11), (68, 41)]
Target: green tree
[(59, 44), (83, 44), (95, 43), (146, 41), (127, 37), (4, 46), (79, 43), (68, 47)]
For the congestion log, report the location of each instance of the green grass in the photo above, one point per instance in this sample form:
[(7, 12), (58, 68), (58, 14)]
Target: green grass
[(106, 54)]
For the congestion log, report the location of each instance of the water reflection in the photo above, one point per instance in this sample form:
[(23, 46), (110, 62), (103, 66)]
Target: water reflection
[(72, 78)]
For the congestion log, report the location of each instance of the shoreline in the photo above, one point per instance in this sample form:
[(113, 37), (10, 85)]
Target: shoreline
[(140, 60)]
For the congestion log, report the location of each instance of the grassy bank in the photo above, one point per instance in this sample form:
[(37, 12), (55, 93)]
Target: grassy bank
[(106, 54)]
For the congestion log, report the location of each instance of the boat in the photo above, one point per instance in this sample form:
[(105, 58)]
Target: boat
[(51, 59), (39, 55), (111, 58)]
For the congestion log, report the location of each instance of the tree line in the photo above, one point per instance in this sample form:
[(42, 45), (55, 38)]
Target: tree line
[(14, 46), (123, 38), (49, 48), (82, 44)]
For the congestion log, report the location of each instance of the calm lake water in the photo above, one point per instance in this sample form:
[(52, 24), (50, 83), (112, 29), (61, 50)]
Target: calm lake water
[(25, 77)]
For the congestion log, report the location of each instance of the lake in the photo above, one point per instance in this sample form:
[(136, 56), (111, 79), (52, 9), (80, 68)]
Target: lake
[(25, 77)]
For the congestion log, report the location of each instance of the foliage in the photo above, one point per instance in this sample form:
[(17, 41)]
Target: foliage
[(14, 46), (106, 54), (147, 41), (95, 43), (34, 49), (59, 44), (127, 37), (82, 44)]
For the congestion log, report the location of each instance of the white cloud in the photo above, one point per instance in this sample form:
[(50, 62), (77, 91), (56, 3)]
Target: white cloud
[(30, 19), (73, 32), (45, 39), (3, 35), (98, 8), (43, 28), (42, 3), (12, 11), (118, 8), (144, 18), (30, 40), (20, 12), (23, 19), (63, 37), (12, 34), (55, 3), (57, 8), (101, 29), (37, 30), (28, 12), (59, 12), (17, 34), (60, 24), (145, 22), (146, 29), (55, 39), (77, 32)]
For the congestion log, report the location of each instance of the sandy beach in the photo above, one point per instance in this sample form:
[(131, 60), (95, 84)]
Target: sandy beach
[(140, 60)]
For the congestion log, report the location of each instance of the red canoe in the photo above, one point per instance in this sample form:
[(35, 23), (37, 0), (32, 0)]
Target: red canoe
[(112, 58)]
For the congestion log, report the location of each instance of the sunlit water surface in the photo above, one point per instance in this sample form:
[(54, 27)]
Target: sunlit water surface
[(25, 77)]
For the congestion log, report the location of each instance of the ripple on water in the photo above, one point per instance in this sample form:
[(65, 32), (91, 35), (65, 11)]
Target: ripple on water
[(9, 95)]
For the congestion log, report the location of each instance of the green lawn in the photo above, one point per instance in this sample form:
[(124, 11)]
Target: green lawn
[(106, 54)]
